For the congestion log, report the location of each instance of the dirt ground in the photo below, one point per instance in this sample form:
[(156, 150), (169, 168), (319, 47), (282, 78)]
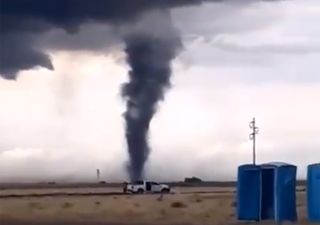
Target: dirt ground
[(190, 206)]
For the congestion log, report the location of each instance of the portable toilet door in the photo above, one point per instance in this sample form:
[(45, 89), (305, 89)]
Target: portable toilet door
[(313, 192), (278, 195), (248, 192), (267, 198), (285, 193)]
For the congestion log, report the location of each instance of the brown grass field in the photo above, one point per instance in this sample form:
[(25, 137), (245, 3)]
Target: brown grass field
[(94, 206)]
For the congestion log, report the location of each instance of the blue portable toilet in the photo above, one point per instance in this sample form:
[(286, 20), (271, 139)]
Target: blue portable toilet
[(248, 192), (313, 192), (267, 192)]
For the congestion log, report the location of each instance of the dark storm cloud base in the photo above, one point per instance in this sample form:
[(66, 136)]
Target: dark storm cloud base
[(22, 22)]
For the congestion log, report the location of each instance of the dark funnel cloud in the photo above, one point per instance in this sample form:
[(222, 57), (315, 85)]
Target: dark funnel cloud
[(149, 55)]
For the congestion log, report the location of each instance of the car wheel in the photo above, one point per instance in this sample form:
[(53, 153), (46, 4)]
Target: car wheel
[(140, 191)]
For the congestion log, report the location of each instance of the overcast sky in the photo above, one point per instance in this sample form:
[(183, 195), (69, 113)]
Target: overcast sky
[(238, 61)]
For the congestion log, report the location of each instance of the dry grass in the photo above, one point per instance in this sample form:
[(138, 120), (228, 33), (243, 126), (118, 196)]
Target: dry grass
[(97, 203), (186, 208), (35, 205), (67, 205)]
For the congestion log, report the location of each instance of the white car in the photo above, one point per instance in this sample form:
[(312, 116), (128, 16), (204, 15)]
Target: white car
[(140, 187)]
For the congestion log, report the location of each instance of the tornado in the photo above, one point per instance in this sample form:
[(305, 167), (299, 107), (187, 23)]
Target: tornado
[(149, 55)]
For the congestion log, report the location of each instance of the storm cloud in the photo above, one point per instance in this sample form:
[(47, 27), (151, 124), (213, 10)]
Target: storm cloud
[(22, 22), (28, 27)]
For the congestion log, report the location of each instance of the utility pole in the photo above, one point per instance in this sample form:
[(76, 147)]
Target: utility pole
[(255, 131), (98, 175)]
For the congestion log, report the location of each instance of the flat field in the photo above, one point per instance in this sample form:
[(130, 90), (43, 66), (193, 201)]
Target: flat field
[(107, 206)]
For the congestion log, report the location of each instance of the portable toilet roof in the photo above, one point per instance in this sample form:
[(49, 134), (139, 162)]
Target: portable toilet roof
[(313, 192), (249, 167), (276, 164)]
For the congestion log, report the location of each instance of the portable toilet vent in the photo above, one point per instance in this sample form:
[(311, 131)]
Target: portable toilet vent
[(313, 192), (267, 192)]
